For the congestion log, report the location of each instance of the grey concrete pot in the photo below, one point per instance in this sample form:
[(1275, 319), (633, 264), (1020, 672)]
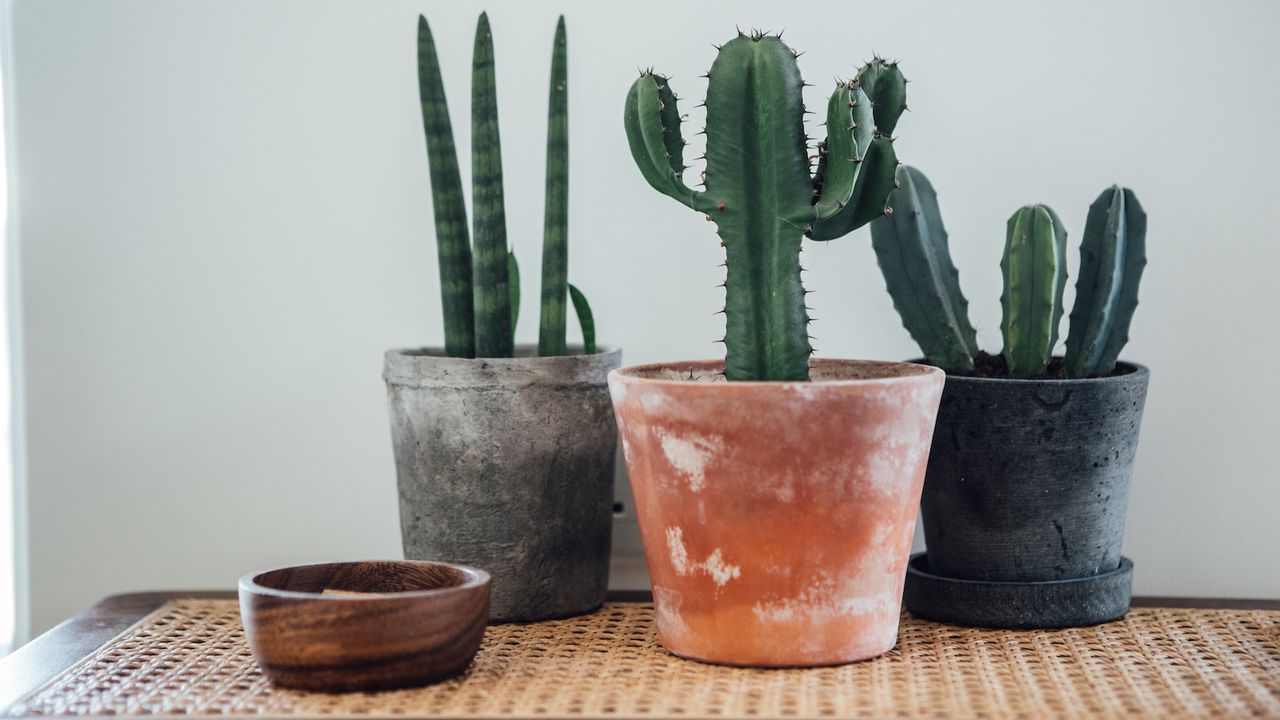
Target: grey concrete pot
[(507, 464), (1028, 482)]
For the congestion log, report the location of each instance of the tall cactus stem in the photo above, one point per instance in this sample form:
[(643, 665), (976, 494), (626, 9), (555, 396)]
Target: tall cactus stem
[(1112, 258), (915, 259), (489, 231), (453, 244), (555, 232), (1034, 268)]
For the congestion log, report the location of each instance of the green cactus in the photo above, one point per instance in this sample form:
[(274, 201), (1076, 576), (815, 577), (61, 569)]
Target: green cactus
[(480, 283), (1035, 274), (1113, 254), (555, 233), (758, 188), (911, 247), (453, 243), (489, 223)]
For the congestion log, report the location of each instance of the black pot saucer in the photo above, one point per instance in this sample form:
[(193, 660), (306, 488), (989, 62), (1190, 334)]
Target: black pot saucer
[(1018, 605)]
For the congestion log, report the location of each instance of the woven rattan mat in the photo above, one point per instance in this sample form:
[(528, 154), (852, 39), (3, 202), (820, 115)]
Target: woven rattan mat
[(190, 657)]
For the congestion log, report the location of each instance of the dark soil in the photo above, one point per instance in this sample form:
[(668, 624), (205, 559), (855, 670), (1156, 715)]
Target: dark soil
[(993, 367)]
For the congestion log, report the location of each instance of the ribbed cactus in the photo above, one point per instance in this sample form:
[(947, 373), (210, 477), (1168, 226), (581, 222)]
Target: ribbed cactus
[(1035, 274), (479, 278), (1113, 254), (911, 247), (758, 188)]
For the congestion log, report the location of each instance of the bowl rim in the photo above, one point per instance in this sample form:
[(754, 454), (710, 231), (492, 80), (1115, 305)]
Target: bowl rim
[(476, 578)]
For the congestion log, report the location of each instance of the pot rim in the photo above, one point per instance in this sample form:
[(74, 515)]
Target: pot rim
[(475, 578), (918, 372), (1136, 372), (436, 353)]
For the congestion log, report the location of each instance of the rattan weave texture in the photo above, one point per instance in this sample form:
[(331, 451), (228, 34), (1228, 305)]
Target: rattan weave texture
[(189, 657)]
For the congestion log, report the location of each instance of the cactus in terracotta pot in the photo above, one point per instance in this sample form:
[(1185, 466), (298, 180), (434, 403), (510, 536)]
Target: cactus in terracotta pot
[(479, 277), (758, 187), (911, 247)]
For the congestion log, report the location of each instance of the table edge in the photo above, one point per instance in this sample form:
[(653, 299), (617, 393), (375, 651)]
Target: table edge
[(33, 665)]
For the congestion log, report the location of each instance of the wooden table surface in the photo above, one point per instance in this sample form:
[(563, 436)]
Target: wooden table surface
[(33, 665)]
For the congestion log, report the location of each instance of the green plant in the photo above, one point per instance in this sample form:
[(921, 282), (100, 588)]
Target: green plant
[(758, 188), (480, 283), (1034, 267), (911, 247)]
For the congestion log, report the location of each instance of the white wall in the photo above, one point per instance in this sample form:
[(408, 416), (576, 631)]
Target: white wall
[(224, 220)]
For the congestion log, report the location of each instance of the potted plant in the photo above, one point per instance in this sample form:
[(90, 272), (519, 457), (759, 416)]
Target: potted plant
[(776, 495), (1028, 479), (504, 453)]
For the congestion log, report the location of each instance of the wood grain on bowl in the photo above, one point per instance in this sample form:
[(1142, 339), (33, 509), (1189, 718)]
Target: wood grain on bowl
[(340, 627)]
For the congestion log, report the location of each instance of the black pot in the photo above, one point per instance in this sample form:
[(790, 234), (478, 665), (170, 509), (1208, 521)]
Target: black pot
[(1028, 480)]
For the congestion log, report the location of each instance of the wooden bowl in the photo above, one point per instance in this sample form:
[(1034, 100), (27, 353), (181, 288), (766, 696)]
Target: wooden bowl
[(339, 627)]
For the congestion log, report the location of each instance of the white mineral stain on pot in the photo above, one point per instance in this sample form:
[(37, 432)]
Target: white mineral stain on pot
[(653, 402), (720, 571), (823, 602), (667, 603), (675, 546), (689, 455), (784, 487)]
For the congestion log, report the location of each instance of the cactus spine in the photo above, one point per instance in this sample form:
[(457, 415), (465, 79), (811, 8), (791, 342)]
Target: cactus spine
[(911, 248), (758, 188), (480, 283), (1035, 274), (1112, 257)]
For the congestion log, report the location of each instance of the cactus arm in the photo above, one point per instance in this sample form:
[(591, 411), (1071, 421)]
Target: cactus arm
[(1101, 271), (555, 232), (850, 130), (758, 182), (911, 248), (453, 245), (513, 282), (1112, 257), (652, 122), (1134, 264), (1031, 266), (489, 231), (870, 194), (887, 88), (585, 319)]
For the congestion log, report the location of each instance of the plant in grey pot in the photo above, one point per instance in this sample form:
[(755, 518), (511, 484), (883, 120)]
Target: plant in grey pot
[(504, 453), (1028, 478)]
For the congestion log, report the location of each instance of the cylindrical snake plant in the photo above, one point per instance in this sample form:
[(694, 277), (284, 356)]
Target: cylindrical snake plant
[(479, 277)]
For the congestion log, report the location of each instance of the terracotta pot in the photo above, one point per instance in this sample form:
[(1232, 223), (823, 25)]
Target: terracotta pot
[(777, 517)]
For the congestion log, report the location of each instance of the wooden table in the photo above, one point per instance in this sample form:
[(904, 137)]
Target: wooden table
[(36, 663)]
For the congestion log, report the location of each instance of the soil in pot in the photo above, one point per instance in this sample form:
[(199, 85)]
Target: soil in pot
[(777, 517), (507, 464)]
